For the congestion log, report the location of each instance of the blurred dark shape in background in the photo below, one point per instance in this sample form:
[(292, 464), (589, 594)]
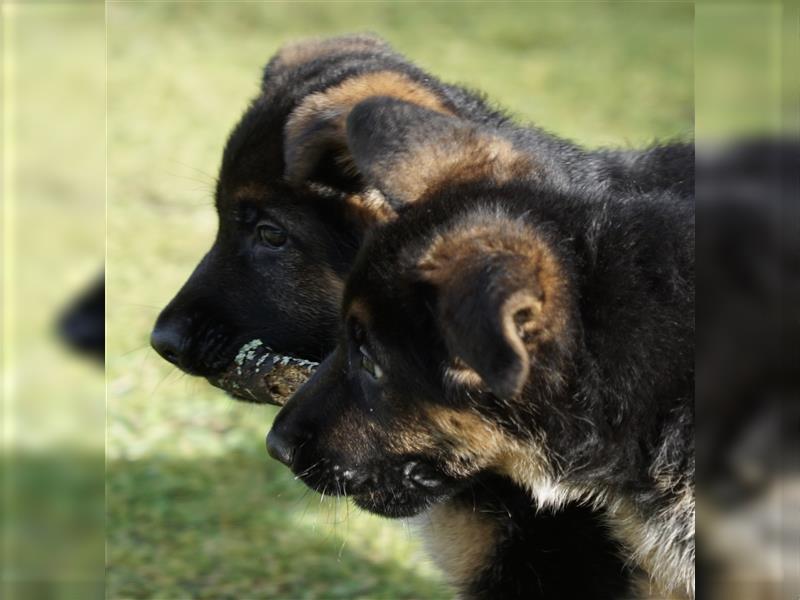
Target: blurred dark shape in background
[(747, 114), (748, 331), (82, 325)]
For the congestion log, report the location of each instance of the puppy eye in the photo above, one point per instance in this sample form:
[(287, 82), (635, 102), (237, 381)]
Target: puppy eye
[(369, 365), (271, 235)]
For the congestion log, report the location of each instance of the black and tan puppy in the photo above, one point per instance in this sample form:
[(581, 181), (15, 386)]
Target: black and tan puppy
[(293, 213), (290, 217), (501, 325)]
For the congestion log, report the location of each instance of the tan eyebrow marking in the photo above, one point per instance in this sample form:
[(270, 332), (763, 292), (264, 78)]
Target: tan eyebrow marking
[(249, 191)]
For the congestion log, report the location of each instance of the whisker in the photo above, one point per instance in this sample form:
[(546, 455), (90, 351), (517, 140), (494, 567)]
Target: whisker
[(211, 178), (128, 352), (162, 380), (308, 470)]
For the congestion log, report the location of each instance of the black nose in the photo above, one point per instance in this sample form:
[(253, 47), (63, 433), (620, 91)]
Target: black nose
[(279, 448), (168, 342)]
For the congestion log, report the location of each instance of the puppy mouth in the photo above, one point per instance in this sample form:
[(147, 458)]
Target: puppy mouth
[(403, 502), (260, 375), (414, 488)]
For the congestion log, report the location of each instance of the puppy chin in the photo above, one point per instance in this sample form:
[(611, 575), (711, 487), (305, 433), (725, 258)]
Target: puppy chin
[(398, 504), (385, 505)]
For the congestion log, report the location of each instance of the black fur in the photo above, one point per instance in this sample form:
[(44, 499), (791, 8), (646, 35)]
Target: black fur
[(239, 292), (536, 552), (289, 297), (608, 397)]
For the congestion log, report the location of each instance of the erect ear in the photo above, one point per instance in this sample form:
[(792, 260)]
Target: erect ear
[(502, 300), (406, 150), (315, 133)]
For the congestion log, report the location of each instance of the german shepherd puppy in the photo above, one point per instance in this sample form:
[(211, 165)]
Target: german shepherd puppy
[(292, 215), (291, 218), (501, 325)]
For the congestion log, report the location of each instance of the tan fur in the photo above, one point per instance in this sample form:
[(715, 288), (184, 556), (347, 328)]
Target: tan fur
[(332, 106), (459, 539), (534, 314), (465, 155), (359, 310), (459, 374), (644, 589), (474, 443), (651, 539), (478, 444), (662, 544), (249, 191), (369, 208), (306, 51)]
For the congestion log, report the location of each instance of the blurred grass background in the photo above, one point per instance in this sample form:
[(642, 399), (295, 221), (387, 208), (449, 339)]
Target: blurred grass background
[(194, 506), (52, 239)]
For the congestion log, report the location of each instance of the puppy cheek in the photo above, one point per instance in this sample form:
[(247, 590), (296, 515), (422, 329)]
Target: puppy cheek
[(354, 437), (466, 443)]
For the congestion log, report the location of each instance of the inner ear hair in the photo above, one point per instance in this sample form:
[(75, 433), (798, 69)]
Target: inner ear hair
[(519, 313), (369, 208)]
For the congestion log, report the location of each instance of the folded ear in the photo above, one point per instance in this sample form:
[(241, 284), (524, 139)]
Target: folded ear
[(316, 129), (502, 300), (406, 150)]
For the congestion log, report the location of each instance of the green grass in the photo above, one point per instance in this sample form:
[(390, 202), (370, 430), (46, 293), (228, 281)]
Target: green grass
[(195, 507)]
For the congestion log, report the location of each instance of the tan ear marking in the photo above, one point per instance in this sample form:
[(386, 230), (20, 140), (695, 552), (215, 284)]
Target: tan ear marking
[(520, 300), (307, 139), (369, 208), (465, 155)]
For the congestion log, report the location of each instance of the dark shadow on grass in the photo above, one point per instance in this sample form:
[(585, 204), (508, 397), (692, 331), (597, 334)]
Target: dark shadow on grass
[(239, 527)]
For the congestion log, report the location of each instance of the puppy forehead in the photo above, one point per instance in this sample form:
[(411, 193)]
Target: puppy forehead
[(273, 195), (249, 191), (232, 194)]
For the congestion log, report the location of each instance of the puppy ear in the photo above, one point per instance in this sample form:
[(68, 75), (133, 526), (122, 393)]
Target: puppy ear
[(406, 150), (315, 131), (297, 54), (502, 300)]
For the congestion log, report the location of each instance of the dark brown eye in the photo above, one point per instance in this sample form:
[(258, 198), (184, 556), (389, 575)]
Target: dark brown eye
[(271, 235)]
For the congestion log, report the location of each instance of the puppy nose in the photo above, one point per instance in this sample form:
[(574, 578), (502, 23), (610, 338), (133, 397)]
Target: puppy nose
[(167, 341), (279, 448)]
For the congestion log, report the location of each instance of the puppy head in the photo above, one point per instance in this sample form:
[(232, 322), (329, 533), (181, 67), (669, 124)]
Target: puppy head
[(451, 312), (427, 387), (275, 270)]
